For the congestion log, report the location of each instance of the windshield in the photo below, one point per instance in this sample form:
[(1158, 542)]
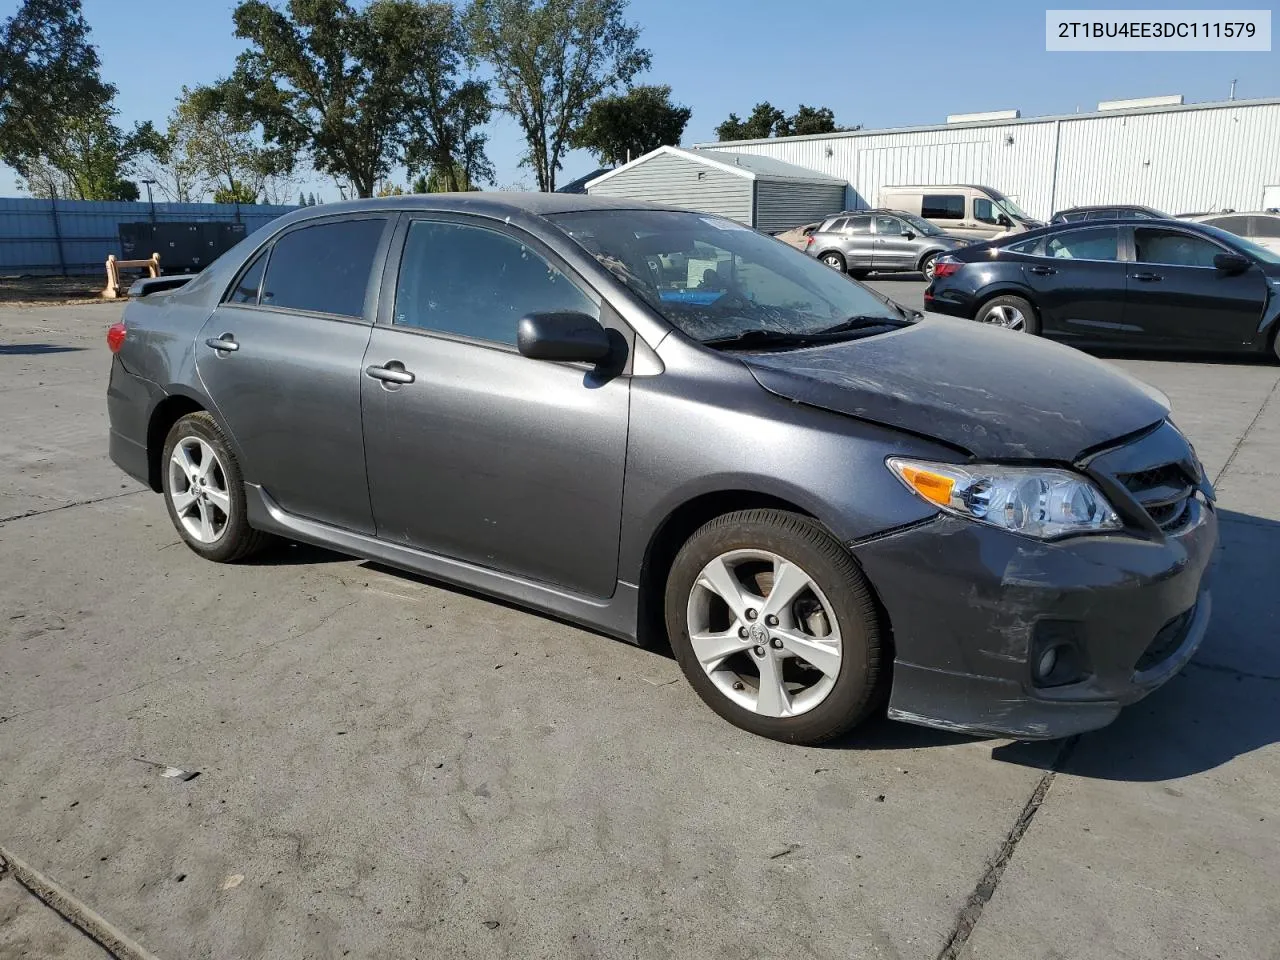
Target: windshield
[(922, 227), (1255, 250), (717, 280), (1012, 209)]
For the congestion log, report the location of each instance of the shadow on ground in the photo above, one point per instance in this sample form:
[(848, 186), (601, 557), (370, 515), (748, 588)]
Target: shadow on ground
[(34, 349)]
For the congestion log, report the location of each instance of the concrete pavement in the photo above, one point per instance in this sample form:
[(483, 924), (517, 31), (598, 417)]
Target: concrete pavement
[(391, 768)]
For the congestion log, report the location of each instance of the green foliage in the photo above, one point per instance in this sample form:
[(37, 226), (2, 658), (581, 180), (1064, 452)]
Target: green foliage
[(235, 192), (390, 190), (625, 126), (57, 125), (766, 120), (551, 59), (352, 88)]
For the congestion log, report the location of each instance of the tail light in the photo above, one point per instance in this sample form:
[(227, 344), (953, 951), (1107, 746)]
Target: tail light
[(115, 336), (808, 241), (945, 267)]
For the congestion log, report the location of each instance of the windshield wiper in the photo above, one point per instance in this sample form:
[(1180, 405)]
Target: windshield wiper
[(751, 338), (860, 322)]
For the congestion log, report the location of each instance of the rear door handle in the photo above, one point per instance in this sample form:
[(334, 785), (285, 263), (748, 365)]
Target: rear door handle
[(392, 372), (1147, 277), (1042, 271), (225, 343)]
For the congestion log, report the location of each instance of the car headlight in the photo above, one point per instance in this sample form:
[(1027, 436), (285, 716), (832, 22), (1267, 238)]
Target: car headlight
[(1040, 502)]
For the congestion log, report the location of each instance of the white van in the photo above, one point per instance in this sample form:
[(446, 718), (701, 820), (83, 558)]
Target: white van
[(963, 210)]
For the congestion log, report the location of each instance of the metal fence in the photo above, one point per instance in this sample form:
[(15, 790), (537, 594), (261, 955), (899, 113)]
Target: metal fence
[(75, 236)]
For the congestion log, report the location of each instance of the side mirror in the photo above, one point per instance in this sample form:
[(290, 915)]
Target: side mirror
[(566, 337), (1231, 263), (910, 235), (1004, 221)]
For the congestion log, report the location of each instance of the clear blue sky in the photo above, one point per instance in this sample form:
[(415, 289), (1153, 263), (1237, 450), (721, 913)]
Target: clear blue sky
[(880, 65)]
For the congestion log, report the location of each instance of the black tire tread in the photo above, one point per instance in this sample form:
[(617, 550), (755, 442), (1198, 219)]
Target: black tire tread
[(1027, 307)]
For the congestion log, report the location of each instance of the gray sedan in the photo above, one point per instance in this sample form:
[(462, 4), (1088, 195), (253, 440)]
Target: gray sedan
[(671, 428), (860, 242)]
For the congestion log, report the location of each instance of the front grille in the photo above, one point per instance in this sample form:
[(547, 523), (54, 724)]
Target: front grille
[(1166, 642), (1164, 492)]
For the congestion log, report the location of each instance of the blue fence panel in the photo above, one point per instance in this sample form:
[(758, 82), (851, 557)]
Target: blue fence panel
[(75, 236)]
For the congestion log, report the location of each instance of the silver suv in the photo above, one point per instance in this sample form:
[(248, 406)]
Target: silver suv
[(859, 241)]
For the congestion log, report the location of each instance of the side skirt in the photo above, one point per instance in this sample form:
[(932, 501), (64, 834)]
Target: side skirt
[(616, 616)]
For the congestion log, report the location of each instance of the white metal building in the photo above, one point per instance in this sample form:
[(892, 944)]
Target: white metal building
[(756, 190), (1161, 152)]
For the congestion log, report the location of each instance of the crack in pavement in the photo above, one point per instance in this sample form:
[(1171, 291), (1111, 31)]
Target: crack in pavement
[(985, 888), (68, 506), (1232, 671), (92, 924), (1247, 430)]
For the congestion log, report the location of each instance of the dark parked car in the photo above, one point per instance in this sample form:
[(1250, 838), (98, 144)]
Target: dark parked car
[(861, 241), (1162, 284), (1114, 211), (659, 423)]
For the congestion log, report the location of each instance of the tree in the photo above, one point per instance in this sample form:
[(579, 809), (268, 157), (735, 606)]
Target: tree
[(311, 200), (624, 126), (390, 190), (443, 135), (350, 87), (551, 59), (57, 126), (767, 120)]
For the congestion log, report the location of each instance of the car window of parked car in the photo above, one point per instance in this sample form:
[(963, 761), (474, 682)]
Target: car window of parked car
[(1264, 227), (323, 268), (1026, 246), (1173, 248), (477, 282), (1244, 245), (984, 210), (889, 226), (1096, 243), (833, 226), (858, 225), (942, 206), (715, 279), (1237, 225), (246, 288)]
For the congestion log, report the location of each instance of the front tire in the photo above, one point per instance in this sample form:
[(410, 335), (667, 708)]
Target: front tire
[(775, 627), (1011, 313), (204, 491)]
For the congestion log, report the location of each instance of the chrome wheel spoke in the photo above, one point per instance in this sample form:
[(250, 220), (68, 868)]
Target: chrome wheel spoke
[(208, 461), (182, 500), (719, 579), (206, 522), (772, 700), (220, 499), (789, 581), (711, 648), (821, 652), (182, 460)]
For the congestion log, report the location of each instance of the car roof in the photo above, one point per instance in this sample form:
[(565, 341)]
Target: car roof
[(1106, 206), (488, 203)]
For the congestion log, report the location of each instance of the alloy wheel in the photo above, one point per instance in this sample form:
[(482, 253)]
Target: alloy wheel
[(764, 633), (1006, 316), (198, 490), (831, 260)]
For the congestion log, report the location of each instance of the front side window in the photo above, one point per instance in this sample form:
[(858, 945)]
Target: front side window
[(324, 268), (889, 226), (1173, 248), (1100, 243), (984, 210), (475, 282), (923, 227), (942, 206), (714, 279), (246, 288)]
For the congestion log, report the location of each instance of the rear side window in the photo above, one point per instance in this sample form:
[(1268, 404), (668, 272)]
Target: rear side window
[(1024, 246), (858, 225), (942, 206), (246, 288), (323, 269), (1173, 248), (476, 282), (1100, 243)]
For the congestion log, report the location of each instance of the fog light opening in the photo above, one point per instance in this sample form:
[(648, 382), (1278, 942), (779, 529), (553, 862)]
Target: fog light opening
[(1048, 660)]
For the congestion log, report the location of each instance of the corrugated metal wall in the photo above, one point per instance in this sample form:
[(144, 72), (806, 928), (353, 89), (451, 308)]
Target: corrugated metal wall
[(1176, 160), (681, 183), (783, 204), (75, 236)]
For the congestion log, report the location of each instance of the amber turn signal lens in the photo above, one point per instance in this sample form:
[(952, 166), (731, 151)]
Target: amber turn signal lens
[(932, 486)]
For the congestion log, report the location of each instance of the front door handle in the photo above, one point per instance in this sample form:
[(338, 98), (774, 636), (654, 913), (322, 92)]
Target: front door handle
[(1147, 277), (392, 371), (223, 344), (1042, 271)]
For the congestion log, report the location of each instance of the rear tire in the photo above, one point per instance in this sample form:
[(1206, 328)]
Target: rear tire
[(800, 596), (204, 491), (833, 260), (1011, 313), (927, 266)]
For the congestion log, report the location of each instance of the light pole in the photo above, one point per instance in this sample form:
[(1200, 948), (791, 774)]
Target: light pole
[(148, 184)]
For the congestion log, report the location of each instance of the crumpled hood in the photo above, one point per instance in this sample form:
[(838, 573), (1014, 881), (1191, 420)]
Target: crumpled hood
[(992, 392)]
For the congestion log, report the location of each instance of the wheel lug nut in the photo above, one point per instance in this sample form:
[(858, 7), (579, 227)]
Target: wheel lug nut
[(775, 643), (771, 620), (738, 685), (759, 651), (742, 632), (751, 614)]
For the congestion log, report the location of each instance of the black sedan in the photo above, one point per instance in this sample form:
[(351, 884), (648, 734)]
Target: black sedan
[(1157, 284)]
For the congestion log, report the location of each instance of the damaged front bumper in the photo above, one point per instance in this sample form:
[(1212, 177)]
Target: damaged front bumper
[(973, 608)]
